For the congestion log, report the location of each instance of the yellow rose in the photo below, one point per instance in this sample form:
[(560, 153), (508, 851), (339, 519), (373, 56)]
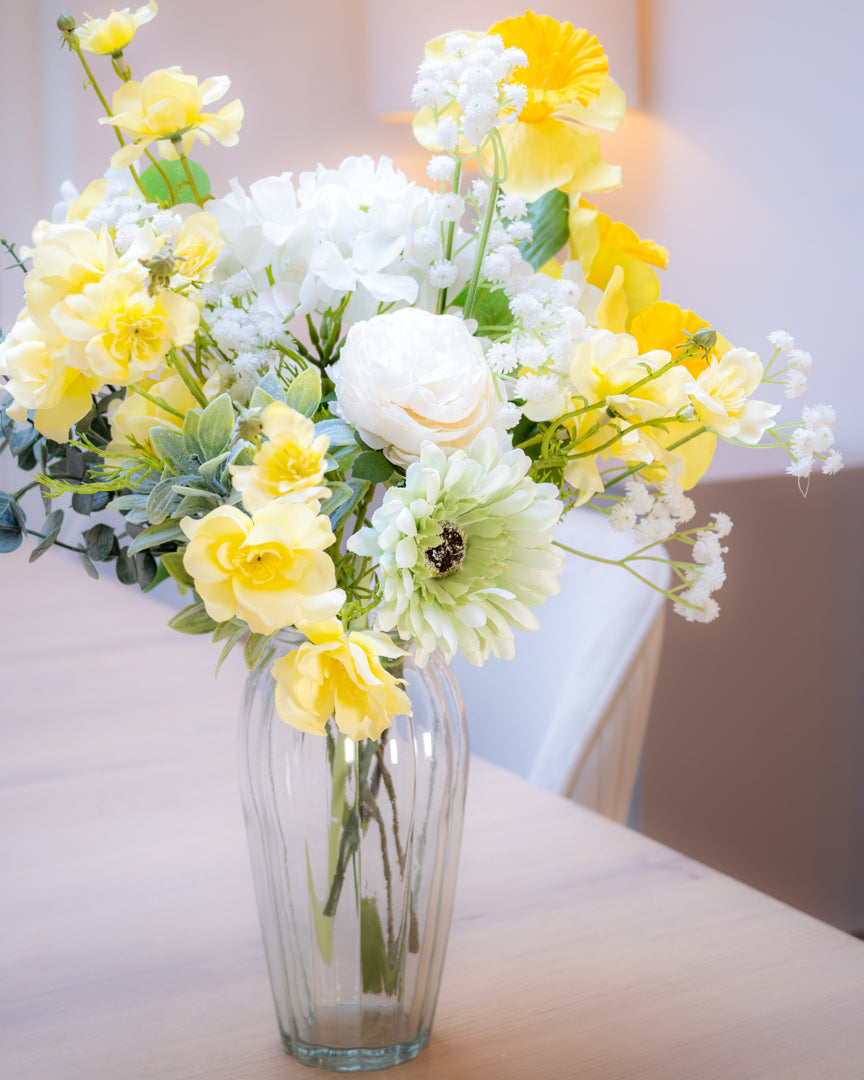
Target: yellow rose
[(114, 32), (40, 380), (290, 464), (340, 675), (132, 418), (167, 105), (270, 569)]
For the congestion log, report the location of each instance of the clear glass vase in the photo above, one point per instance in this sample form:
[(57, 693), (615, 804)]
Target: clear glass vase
[(354, 849)]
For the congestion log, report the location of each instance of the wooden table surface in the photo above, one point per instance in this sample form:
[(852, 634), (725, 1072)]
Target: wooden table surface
[(130, 945)]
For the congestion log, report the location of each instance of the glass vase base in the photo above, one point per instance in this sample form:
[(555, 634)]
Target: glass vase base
[(353, 1040)]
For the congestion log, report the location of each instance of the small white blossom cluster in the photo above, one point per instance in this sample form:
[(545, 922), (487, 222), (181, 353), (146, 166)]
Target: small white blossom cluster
[(469, 89), (699, 605), (812, 441), (653, 516)]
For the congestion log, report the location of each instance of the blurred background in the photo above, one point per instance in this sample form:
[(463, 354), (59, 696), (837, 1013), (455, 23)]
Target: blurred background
[(741, 155)]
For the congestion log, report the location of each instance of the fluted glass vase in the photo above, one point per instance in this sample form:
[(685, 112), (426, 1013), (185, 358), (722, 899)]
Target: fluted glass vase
[(354, 849)]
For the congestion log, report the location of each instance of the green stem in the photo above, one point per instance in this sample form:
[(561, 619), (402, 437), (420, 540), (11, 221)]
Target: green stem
[(484, 237), (441, 306), (622, 563), (158, 167), (159, 402), (184, 161), (92, 79), (185, 374), (25, 489)]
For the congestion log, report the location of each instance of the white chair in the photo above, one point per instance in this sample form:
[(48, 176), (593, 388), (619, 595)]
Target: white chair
[(569, 713)]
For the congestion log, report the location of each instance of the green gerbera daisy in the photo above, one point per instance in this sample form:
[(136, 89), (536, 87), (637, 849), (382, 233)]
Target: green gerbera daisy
[(464, 550)]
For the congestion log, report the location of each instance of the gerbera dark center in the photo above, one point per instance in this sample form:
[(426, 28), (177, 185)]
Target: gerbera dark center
[(447, 556)]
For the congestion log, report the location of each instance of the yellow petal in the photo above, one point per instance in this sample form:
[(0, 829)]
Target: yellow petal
[(612, 311)]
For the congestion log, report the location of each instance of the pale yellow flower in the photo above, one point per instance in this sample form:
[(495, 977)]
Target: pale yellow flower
[(721, 397), (125, 331), (569, 91), (270, 569), (198, 246), (166, 108), (40, 380), (290, 464), (132, 418), (87, 201), (113, 33), (340, 675)]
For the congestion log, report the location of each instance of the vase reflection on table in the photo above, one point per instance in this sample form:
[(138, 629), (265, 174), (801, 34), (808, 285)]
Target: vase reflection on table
[(354, 849)]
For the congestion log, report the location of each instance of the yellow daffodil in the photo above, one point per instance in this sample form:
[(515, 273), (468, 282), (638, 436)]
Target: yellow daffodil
[(198, 246), (290, 464), (340, 675), (569, 91), (113, 33), (166, 108), (721, 397), (41, 380), (601, 245), (270, 569), (132, 418)]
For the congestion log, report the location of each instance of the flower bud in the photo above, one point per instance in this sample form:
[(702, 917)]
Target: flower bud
[(66, 23), (160, 269), (706, 338)]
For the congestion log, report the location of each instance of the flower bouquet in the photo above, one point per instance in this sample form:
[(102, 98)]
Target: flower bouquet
[(344, 413)]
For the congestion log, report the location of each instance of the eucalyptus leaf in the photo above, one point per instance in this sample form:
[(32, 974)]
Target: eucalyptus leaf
[(163, 533), (88, 566), (371, 465), (216, 427), (50, 532), (304, 393), (99, 541), (150, 572), (82, 503), (127, 573), (193, 620), (549, 217), (23, 440)]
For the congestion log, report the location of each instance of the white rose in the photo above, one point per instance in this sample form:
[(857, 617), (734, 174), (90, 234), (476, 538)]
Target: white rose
[(411, 377)]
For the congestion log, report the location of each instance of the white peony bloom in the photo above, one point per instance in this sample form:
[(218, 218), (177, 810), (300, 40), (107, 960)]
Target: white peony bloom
[(410, 377)]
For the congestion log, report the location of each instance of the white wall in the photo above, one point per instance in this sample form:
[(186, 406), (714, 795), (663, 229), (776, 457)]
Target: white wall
[(744, 160)]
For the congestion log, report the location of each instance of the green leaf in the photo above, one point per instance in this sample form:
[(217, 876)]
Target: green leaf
[(193, 620), (181, 191), (50, 532), (271, 388), (88, 566), (99, 542), (371, 465), (304, 393), (160, 500), (191, 423), (209, 469), (549, 217), (343, 444), (254, 649), (378, 973), (216, 427), (22, 440), (163, 533), (492, 309), (343, 499), (171, 448), (173, 563), (130, 502)]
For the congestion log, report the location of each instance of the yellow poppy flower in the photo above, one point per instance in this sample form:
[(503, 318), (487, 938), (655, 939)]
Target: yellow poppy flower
[(166, 108), (569, 91), (198, 246), (113, 33), (340, 675)]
